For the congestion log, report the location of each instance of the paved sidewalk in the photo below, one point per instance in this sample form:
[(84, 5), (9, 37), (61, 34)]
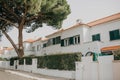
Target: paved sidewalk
[(33, 76)]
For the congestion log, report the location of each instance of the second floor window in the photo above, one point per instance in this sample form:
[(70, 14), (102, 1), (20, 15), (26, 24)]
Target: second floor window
[(66, 42), (76, 39), (115, 34), (96, 37)]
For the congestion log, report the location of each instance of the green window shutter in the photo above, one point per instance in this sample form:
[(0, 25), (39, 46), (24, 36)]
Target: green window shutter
[(96, 37), (62, 42), (53, 41), (115, 34), (111, 35), (71, 40), (93, 38), (58, 39)]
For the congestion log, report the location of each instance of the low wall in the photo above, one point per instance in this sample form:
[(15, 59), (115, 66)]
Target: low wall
[(4, 64), (103, 69), (116, 70), (50, 72), (57, 73)]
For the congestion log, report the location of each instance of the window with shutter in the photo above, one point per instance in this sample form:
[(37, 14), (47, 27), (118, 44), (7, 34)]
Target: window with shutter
[(115, 34), (96, 37), (62, 42)]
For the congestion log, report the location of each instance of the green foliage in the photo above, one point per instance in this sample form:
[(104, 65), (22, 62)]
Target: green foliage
[(28, 60), (116, 54), (61, 62), (21, 61), (36, 12), (12, 60)]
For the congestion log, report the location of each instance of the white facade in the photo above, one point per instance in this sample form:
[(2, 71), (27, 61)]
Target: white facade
[(78, 38)]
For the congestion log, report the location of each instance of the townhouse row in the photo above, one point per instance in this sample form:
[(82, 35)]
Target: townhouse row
[(100, 36)]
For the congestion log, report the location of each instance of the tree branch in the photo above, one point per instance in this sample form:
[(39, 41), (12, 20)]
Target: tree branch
[(8, 22), (33, 17), (6, 7), (11, 41)]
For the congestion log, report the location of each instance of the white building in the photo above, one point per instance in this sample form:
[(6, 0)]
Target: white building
[(102, 35)]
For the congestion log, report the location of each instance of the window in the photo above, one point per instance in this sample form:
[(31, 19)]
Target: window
[(62, 42), (53, 41), (66, 42), (70, 40), (49, 42), (115, 34), (76, 39), (96, 37), (56, 40)]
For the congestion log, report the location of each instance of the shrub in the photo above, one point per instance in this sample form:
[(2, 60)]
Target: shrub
[(116, 54), (12, 60), (21, 61), (61, 61), (28, 60)]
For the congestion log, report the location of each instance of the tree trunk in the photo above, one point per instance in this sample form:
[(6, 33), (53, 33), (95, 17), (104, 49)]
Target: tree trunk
[(11, 41), (20, 43), (20, 38)]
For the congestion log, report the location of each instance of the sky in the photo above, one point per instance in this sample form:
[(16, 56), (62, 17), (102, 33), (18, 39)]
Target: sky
[(84, 10)]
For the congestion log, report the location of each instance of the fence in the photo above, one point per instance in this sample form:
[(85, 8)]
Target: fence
[(103, 69), (33, 68)]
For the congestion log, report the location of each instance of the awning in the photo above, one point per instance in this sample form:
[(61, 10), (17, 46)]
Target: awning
[(110, 48)]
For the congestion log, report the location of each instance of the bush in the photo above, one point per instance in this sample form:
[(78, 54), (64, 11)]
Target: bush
[(12, 60), (61, 61), (116, 54), (21, 61), (28, 60)]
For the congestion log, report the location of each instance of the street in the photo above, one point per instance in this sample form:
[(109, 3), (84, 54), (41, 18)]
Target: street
[(20, 75), (8, 76)]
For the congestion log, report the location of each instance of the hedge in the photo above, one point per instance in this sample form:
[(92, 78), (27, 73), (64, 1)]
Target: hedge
[(12, 60), (28, 60), (21, 61), (61, 61)]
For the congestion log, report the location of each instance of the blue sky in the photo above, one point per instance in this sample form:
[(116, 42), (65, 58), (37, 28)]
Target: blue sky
[(85, 10)]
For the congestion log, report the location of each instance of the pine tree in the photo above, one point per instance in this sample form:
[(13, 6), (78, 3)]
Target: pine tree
[(30, 15)]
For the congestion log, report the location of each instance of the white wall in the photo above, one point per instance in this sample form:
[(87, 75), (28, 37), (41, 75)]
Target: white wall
[(50, 72), (101, 70), (116, 70), (104, 29), (53, 49)]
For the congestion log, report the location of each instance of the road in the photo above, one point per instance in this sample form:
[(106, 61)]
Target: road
[(8, 76), (20, 75)]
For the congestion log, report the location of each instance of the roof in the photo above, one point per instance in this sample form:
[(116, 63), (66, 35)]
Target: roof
[(7, 48), (44, 39), (93, 23), (105, 19), (110, 48), (74, 26), (59, 31), (29, 40)]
